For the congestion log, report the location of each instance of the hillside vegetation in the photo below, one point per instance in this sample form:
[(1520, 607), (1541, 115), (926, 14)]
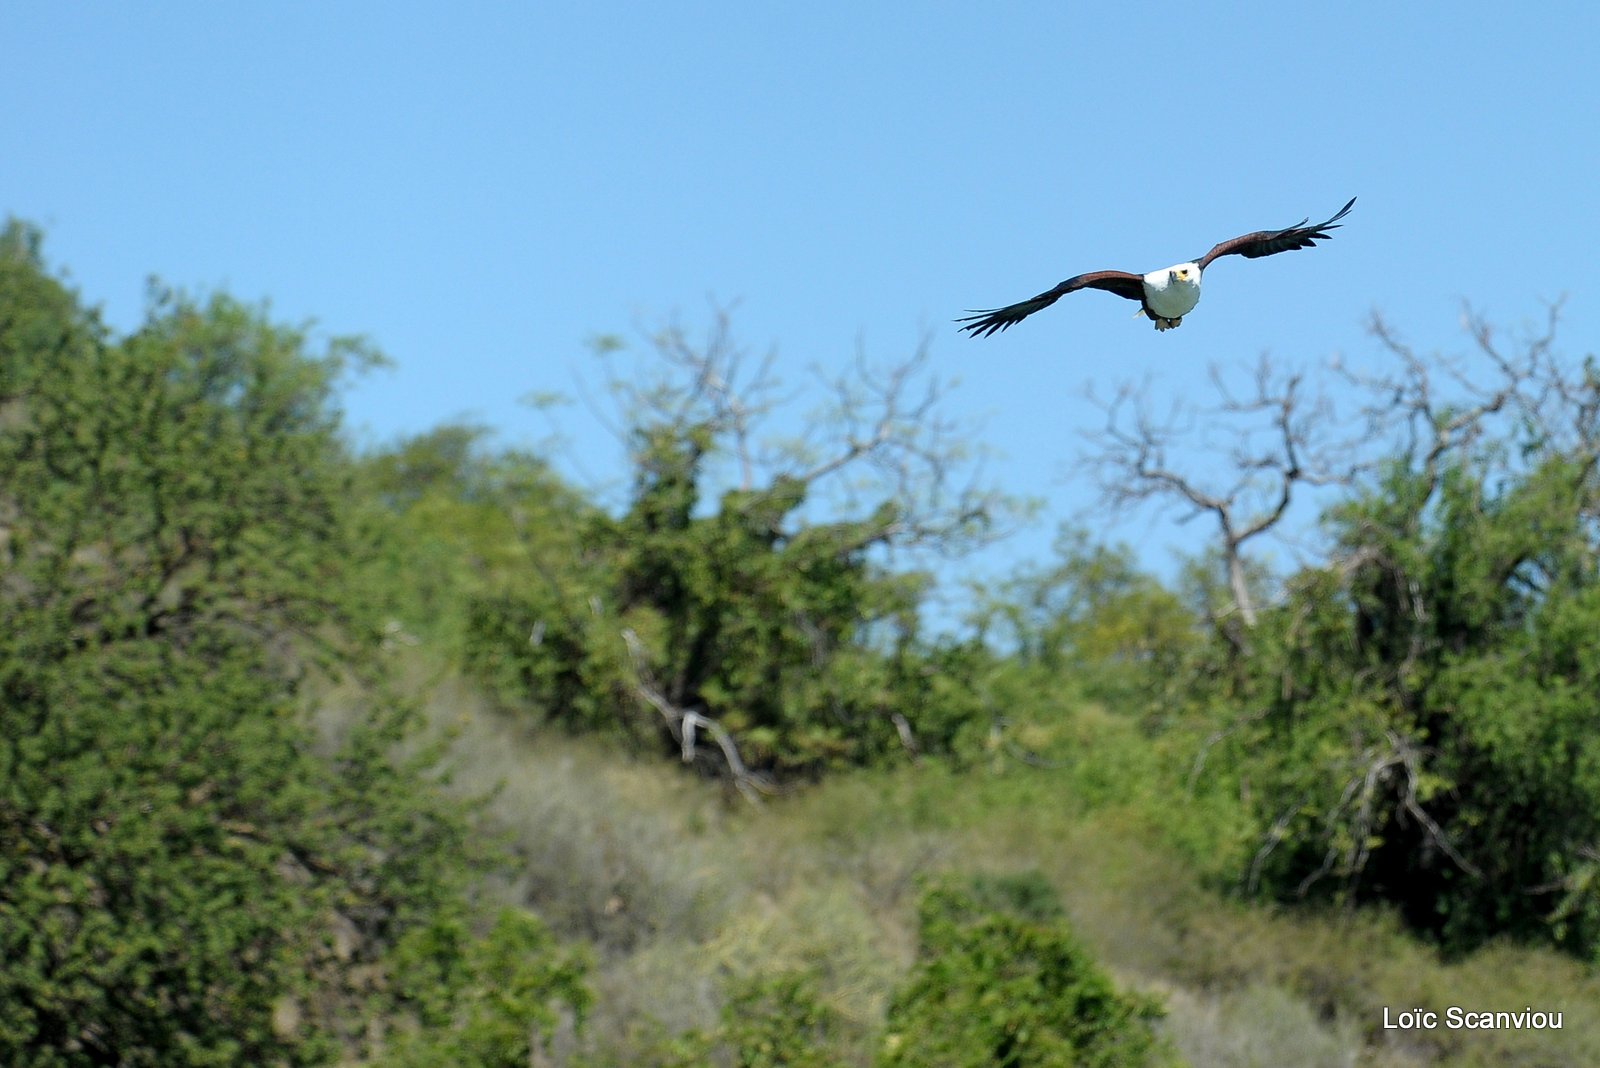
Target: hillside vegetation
[(424, 756)]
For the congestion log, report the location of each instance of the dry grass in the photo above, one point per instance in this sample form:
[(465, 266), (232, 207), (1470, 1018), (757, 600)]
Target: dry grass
[(678, 891), (1256, 1027)]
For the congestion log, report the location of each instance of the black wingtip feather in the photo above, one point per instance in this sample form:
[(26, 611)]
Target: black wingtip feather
[(984, 323)]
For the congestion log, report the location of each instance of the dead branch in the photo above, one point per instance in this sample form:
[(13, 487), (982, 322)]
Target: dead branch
[(1137, 461), (1357, 810), (908, 741), (1280, 435), (1275, 834), (682, 724), (880, 436), (886, 425)]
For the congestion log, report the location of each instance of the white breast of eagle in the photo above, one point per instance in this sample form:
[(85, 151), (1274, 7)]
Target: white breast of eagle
[(1172, 292)]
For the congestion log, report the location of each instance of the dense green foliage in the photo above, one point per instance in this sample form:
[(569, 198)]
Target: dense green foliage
[(186, 876), (763, 624), (213, 851), (1000, 980), (1429, 711), (788, 634), (490, 1001), (769, 1020)]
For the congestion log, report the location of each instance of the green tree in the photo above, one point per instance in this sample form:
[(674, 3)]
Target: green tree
[(769, 1020), (1000, 980), (497, 564), (1091, 619), (492, 1001), (1431, 708), (186, 876), (1411, 719), (733, 621), (1415, 718)]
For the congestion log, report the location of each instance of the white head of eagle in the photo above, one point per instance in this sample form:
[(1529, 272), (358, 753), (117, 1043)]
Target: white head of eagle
[(1167, 295)]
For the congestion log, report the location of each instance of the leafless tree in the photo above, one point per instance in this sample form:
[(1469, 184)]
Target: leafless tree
[(1430, 408), (880, 433), (1505, 405), (1243, 460), (1274, 438)]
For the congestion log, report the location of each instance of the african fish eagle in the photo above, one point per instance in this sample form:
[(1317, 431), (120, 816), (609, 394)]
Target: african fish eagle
[(1166, 295)]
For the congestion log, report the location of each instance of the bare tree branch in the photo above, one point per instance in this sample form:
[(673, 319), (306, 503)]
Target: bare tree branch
[(1355, 817), (1498, 412), (1280, 435), (683, 723), (881, 436), (1136, 462)]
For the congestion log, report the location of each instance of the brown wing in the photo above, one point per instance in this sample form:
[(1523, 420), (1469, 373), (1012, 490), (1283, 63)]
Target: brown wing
[(1272, 242), (1123, 284)]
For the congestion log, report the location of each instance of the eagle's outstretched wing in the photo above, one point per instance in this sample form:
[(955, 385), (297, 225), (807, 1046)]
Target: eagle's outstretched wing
[(1123, 284), (1272, 242)]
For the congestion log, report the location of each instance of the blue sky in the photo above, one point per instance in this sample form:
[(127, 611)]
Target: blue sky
[(482, 188)]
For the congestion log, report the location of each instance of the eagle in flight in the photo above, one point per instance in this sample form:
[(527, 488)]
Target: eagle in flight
[(1166, 295)]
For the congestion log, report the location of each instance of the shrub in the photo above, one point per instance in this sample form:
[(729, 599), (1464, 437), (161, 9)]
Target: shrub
[(1000, 980), (488, 1002)]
